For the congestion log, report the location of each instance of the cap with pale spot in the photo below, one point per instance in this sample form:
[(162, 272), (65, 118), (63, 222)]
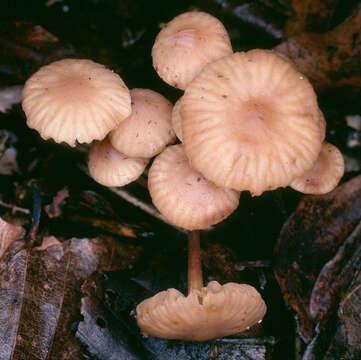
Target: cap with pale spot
[(75, 100), (250, 121)]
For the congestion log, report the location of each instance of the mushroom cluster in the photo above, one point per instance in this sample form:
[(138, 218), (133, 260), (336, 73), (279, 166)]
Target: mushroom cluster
[(78, 100), (247, 121)]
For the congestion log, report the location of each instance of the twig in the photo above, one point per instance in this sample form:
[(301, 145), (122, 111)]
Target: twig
[(14, 208)]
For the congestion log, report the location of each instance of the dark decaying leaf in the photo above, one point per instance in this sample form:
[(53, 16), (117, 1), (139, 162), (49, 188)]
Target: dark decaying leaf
[(109, 329), (40, 294), (350, 315), (29, 47), (336, 277), (311, 238), (310, 15), (329, 60)]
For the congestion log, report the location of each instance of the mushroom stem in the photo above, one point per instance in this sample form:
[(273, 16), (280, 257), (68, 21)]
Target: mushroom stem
[(195, 278)]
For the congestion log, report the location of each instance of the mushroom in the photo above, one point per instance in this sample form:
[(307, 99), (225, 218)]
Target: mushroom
[(177, 119), (325, 173), (148, 129), (75, 100), (186, 44), (109, 167), (184, 196), (207, 312), (250, 121)]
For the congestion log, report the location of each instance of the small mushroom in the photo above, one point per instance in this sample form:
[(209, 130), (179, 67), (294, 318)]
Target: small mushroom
[(184, 196), (207, 312), (75, 100), (186, 44), (250, 121), (148, 129), (109, 167), (325, 173)]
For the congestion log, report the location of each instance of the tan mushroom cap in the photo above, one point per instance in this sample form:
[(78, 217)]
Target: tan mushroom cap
[(250, 121), (177, 119), (223, 310), (184, 196), (186, 44), (148, 129), (75, 100), (109, 167), (325, 173)]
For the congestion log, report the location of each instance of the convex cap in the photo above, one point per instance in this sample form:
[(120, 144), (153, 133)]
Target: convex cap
[(184, 196), (214, 311), (186, 44), (250, 121), (75, 100), (109, 167), (325, 174), (148, 129)]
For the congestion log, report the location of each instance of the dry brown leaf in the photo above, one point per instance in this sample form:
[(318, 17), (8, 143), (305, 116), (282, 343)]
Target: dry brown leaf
[(8, 234)]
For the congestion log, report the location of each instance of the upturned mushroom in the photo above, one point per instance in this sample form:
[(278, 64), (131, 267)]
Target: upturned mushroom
[(188, 200), (186, 44), (250, 121), (75, 100), (207, 312)]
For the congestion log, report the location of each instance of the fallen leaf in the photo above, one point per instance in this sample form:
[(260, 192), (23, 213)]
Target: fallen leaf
[(350, 315), (336, 276), (309, 239), (329, 60), (40, 294), (25, 43), (8, 234)]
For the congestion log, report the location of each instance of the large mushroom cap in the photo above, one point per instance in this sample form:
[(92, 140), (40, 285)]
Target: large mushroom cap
[(184, 196), (250, 121), (212, 312), (186, 44), (148, 129), (109, 167), (325, 173), (75, 100)]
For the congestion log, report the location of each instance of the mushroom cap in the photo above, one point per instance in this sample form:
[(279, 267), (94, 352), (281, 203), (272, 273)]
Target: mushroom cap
[(186, 44), (177, 119), (250, 121), (75, 100), (148, 129), (325, 173), (109, 167), (222, 310), (184, 196)]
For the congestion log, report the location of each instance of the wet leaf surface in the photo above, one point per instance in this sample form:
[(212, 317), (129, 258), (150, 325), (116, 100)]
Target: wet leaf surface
[(317, 255), (337, 54)]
